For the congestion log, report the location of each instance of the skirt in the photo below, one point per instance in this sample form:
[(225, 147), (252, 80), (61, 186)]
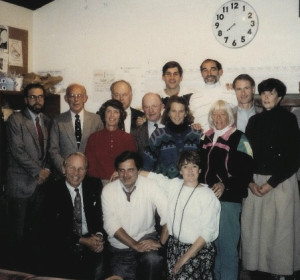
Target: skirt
[(201, 267), (270, 229)]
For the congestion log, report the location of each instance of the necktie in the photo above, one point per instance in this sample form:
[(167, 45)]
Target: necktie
[(40, 134), (128, 194), (77, 215), (77, 130), (156, 126)]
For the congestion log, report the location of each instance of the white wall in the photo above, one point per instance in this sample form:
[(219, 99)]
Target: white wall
[(18, 17), (132, 39)]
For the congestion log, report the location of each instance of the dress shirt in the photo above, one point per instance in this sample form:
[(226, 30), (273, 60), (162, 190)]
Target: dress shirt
[(200, 102), (182, 91), (33, 116), (243, 116), (135, 217), (127, 121), (201, 215), (81, 114), (151, 126), (73, 194)]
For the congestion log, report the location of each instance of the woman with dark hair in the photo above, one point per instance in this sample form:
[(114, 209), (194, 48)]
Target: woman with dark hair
[(271, 212), (105, 145), (193, 221), (165, 144)]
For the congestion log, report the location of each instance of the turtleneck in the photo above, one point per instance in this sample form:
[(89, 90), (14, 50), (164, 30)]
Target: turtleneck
[(220, 132), (177, 128)]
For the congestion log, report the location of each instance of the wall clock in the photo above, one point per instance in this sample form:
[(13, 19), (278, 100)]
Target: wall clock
[(235, 24)]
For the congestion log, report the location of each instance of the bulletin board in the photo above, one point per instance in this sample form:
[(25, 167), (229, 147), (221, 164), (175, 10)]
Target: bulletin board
[(21, 36)]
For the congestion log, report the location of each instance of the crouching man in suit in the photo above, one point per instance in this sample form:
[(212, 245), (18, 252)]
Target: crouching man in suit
[(68, 226)]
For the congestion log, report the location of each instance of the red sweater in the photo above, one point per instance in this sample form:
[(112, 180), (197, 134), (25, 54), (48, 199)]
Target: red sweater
[(103, 147)]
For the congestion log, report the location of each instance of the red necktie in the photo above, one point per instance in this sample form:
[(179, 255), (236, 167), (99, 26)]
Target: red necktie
[(40, 134)]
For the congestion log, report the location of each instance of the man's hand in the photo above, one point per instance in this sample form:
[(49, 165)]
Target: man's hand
[(140, 121), (218, 189), (43, 175), (94, 243), (147, 245), (197, 126)]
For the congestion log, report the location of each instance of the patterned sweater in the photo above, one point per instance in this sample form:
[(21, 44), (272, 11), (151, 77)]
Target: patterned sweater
[(165, 145)]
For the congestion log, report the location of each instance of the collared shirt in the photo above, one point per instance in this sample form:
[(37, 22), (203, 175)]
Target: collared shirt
[(127, 121), (33, 117), (135, 217), (73, 194), (243, 117), (81, 114), (151, 126)]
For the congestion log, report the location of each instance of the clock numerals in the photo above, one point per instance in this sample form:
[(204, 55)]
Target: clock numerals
[(235, 24)]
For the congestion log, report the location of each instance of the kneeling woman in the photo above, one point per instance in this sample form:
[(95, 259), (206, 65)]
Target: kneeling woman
[(193, 221)]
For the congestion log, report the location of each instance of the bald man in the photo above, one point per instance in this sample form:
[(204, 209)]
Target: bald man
[(121, 90), (71, 130), (152, 106)]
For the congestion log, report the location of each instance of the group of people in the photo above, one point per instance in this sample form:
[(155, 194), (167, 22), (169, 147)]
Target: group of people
[(182, 190)]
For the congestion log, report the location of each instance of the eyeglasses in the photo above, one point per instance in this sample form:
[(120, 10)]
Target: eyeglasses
[(74, 96), (36, 97)]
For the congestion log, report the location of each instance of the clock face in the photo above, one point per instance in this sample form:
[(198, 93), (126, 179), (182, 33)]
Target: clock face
[(235, 24)]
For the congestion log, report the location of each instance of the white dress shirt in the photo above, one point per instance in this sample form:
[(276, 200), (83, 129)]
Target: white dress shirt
[(127, 121), (81, 114), (73, 194), (136, 216)]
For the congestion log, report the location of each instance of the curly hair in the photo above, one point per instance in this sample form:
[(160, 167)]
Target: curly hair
[(188, 119), (117, 105)]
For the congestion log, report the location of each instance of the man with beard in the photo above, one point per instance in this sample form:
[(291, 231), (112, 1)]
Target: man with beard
[(27, 138), (213, 90)]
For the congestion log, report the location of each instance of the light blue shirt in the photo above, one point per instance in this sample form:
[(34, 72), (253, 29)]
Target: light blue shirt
[(243, 117)]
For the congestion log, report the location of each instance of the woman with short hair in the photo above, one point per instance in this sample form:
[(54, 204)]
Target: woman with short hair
[(227, 168)]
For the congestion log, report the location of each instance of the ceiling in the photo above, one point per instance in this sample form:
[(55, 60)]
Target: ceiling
[(29, 4)]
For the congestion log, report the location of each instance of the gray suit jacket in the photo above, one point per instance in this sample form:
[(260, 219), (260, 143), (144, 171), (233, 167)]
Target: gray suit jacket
[(62, 136), (141, 136), (25, 159)]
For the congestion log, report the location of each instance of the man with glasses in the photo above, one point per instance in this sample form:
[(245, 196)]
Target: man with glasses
[(71, 130), (152, 107), (27, 140)]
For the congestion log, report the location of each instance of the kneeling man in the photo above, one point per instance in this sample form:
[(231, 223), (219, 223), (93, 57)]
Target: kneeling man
[(129, 205)]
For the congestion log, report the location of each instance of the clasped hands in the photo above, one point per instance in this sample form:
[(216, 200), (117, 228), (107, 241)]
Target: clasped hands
[(94, 242), (260, 190), (147, 245)]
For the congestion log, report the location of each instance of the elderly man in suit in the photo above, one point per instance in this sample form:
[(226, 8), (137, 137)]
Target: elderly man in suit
[(27, 138), (71, 130), (152, 106), (69, 229), (122, 91)]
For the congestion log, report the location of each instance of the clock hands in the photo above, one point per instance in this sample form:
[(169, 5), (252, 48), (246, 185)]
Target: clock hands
[(231, 27)]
